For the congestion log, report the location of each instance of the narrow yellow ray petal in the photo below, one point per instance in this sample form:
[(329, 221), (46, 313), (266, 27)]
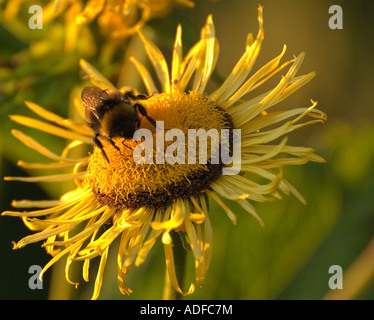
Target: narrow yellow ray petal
[(71, 146), (148, 244), (197, 217), (35, 203), (12, 8), (79, 107), (91, 10), (77, 218), (34, 145), (208, 36), (228, 211), (138, 240), (86, 264), (189, 64), (296, 151), (145, 75), (95, 76), (270, 75), (186, 3), (283, 83), (219, 188), (271, 98), (37, 213), (274, 117), (170, 265), (58, 257), (86, 270), (42, 235), (231, 191), (249, 85), (242, 68), (205, 241), (178, 213), (249, 108), (69, 261), (52, 178), (272, 153), (294, 191), (121, 282), (46, 166), (308, 112), (158, 61), (295, 84), (53, 9), (50, 116), (72, 28), (177, 60), (271, 135), (49, 128), (192, 237), (100, 274), (244, 184), (251, 210)]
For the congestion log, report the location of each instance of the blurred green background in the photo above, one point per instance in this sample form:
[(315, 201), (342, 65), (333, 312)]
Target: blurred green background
[(290, 257)]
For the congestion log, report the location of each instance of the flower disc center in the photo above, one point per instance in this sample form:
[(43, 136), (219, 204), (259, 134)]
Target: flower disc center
[(125, 184)]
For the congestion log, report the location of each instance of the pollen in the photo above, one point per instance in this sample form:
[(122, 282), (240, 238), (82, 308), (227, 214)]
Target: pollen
[(122, 183)]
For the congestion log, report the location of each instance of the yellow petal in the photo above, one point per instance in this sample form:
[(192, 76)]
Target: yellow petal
[(52, 178), (146, 76), (230, 214), (91, 10), (251, 83), (35, 203), (50, 116), (33, 144), (49, 128), (190, 63), (242, 68), (178, 213), (205, 68), (192, 237), (177, 60), (169, 257), (95, 76), (272, 153), (100, 274), (158, 61), (250, 209)]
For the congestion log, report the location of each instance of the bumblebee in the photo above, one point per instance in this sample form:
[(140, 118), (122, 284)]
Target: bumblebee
[(111, 113)]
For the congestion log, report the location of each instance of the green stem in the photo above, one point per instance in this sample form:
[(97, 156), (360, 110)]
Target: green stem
[(180, 257)]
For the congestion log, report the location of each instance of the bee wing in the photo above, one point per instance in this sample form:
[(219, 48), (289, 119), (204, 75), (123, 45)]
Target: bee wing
[(92, 97), (93, 111)]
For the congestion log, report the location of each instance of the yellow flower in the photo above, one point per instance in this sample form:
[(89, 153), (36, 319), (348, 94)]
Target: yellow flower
[(117, 19), (120, 18), (142, 202)]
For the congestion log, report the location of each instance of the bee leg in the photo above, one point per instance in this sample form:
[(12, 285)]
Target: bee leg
[(114, 145), (144, 113), (100, 146), (123, 143)]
